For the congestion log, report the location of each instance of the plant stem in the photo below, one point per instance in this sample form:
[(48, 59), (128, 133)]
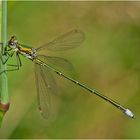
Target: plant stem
[(4, 98)]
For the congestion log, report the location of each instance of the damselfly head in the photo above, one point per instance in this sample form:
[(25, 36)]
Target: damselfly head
[(12, 43)]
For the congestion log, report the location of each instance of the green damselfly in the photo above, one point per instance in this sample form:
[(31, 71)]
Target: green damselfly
[(66, 41)]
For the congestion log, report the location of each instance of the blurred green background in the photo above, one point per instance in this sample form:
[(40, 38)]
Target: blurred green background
[(108, 60)]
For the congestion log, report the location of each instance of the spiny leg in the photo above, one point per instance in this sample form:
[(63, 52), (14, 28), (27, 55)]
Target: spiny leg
[(18, 65), (7, 55), (6, 50)]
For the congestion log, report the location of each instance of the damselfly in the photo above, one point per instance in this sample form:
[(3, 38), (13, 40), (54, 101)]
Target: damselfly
[(42, 63)]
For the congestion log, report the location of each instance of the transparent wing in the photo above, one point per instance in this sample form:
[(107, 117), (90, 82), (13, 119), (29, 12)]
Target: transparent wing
[(45, 87), (66, 41), (58, 63)]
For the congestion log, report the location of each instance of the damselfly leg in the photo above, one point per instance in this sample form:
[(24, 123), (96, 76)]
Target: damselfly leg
[(15, 66)]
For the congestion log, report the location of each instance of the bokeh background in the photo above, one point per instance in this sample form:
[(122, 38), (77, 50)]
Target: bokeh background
[(108, 60)]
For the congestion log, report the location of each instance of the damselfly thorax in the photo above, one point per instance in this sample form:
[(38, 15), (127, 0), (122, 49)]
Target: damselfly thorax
[(27, 52)]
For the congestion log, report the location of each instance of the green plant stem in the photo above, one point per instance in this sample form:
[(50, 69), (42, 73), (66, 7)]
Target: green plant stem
[(3, 77)]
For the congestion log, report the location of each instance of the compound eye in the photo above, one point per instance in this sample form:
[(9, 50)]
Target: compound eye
[(11, 43)]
